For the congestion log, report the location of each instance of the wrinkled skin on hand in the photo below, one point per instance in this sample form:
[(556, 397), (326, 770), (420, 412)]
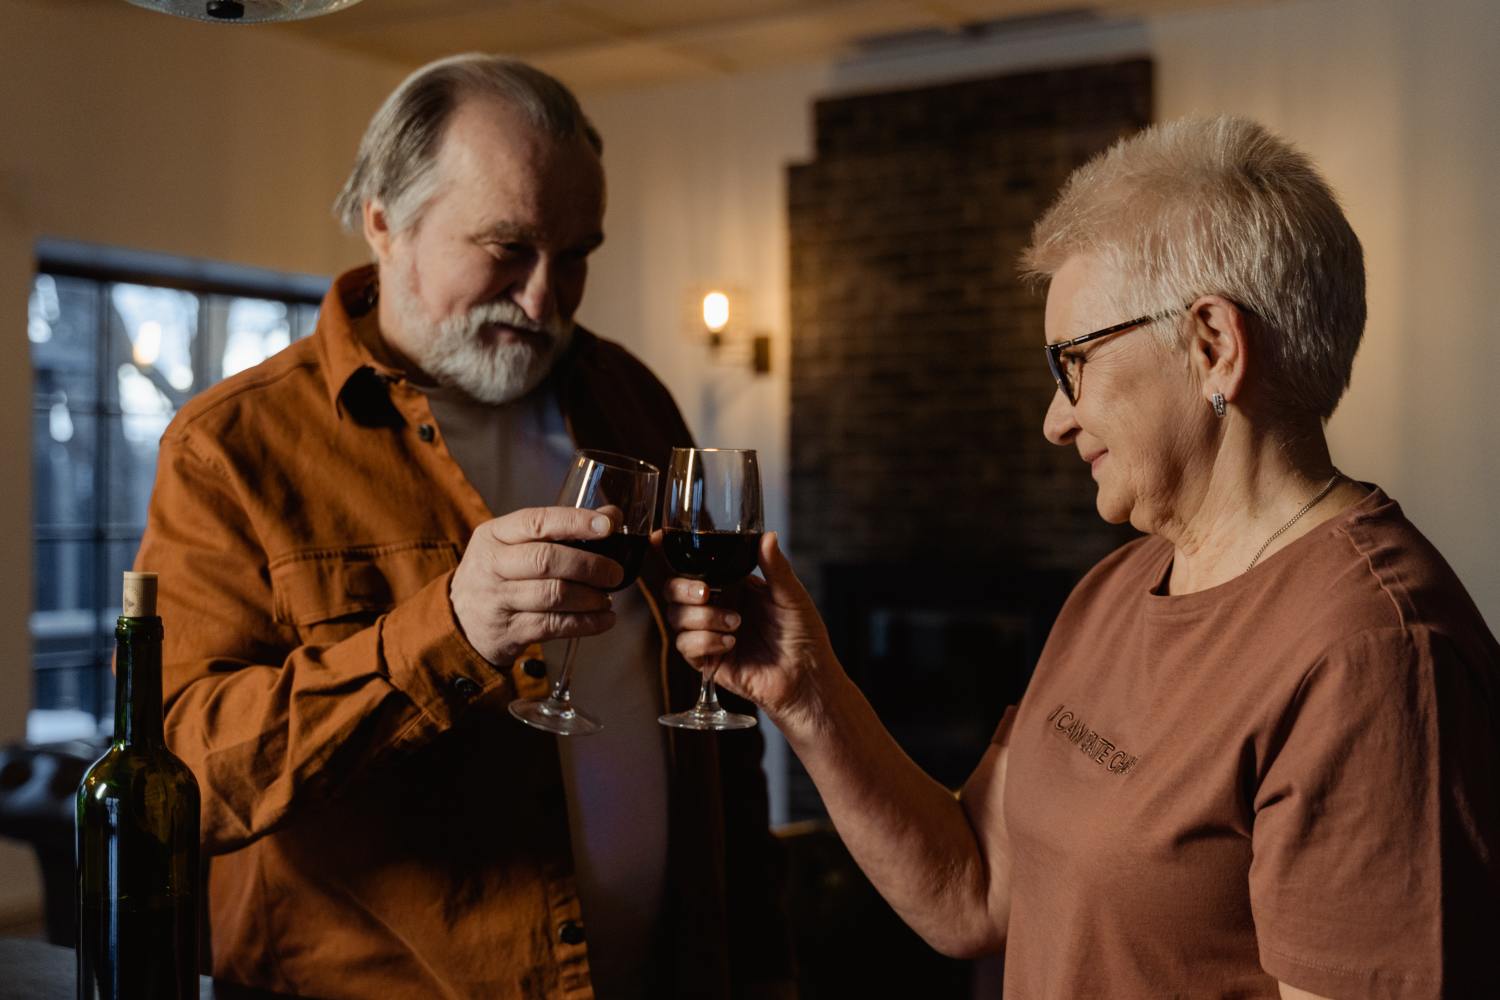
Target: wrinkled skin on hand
[(516, 585)]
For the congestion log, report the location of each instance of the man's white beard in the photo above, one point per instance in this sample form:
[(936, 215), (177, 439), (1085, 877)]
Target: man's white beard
[(458, 354)]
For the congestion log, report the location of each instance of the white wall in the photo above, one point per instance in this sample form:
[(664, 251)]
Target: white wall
[(696, 200), (132, 129), (1398, 100)]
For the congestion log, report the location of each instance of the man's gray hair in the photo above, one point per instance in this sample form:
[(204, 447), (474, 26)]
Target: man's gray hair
[(1222, 206), (400, 146)]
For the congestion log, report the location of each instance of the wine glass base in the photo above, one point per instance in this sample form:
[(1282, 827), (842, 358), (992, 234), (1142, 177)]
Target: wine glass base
[(695, 718), (554, 717)]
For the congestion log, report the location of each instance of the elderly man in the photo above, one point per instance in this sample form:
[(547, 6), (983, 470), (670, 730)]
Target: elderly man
[(1257, 758), (348, 618)]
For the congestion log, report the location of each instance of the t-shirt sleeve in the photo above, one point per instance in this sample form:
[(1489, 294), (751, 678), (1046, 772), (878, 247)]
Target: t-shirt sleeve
[(1375, 868)]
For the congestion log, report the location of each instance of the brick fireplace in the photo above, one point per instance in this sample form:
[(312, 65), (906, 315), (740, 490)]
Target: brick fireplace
[(936, 526)]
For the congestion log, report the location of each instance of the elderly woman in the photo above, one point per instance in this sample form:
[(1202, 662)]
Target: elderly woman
[(1257, 756)]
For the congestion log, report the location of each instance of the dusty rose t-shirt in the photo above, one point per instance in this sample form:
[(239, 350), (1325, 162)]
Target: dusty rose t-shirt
[(1291, 776)]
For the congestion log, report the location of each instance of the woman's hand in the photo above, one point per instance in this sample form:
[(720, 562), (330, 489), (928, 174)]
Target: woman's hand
[(770, 647)]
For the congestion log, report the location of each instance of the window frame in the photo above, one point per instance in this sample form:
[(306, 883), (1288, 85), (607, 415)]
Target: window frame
[(105, 268)]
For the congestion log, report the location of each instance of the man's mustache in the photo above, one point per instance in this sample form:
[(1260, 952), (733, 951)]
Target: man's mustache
[(509, 314)]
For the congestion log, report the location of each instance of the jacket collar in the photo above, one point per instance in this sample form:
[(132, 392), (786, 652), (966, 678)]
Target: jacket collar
[(347, 325)]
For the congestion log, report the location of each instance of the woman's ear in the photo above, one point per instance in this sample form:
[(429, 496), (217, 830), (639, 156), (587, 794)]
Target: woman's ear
[(1219, 347)]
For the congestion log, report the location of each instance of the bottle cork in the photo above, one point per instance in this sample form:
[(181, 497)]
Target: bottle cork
[(140, 595)]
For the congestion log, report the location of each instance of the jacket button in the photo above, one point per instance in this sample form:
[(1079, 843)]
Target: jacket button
[(571, 932), (426, 432), (466, 687), (535, 668)]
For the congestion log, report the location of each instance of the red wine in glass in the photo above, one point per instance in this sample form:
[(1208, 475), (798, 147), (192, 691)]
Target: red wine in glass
[(627, 549), (711, 528), (596, 480), (718, 558)]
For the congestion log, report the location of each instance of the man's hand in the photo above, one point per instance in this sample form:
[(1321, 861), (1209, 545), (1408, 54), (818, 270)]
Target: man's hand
[(516, 585)]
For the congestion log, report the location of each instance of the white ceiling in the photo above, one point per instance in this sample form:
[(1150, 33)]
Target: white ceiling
[(611, 43)]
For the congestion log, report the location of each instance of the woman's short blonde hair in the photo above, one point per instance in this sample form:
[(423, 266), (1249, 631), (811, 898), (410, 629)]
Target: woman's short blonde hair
[(1222, 206)]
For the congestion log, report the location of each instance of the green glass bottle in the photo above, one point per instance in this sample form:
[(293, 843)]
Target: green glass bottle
[(137, 814)]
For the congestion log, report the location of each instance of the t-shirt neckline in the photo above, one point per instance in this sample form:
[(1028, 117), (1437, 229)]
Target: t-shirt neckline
[(1159, 602)]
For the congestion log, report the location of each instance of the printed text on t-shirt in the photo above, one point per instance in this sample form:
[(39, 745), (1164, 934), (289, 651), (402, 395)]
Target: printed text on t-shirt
[(1101, 751)]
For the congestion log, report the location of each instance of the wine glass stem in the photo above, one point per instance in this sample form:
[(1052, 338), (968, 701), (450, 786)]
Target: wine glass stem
[(708, 695), (561, 696)]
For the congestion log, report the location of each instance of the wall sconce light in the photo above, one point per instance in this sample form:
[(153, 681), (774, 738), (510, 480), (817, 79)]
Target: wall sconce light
[(715, 317), (717, 320)]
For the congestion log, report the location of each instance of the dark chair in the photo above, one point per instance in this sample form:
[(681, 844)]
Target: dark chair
[(37, 785)]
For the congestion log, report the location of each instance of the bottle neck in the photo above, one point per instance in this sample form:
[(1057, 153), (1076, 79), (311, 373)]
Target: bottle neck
[(138, 681)]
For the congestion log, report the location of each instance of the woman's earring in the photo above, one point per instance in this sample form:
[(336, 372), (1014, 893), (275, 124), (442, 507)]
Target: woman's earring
[(1217, 399)]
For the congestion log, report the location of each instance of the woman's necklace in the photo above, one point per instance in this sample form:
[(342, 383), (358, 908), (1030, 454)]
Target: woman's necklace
[(1327, 488)]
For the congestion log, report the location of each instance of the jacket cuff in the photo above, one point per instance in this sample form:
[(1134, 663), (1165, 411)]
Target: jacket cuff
[(428, 659)]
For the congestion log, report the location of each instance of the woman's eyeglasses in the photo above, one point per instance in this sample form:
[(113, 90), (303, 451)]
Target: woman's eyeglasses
[(1067, 368)]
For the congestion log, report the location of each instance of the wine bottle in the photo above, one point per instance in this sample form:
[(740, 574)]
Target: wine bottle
[(137, 824)]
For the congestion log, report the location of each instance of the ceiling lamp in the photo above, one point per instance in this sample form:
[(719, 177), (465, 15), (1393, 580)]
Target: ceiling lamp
[(245, 11)]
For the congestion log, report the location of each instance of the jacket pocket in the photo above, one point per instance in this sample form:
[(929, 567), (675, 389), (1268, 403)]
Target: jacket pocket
[(329, 594)]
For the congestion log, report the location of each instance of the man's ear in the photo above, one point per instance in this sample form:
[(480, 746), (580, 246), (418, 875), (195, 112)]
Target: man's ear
[(377, 228), (1219, 348)]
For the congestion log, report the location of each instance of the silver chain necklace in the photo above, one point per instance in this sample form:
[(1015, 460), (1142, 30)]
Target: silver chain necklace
[(1327, 488)]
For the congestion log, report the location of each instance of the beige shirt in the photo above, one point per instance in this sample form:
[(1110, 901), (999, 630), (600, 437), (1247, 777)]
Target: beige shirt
[(516, 455), (1291, 776)]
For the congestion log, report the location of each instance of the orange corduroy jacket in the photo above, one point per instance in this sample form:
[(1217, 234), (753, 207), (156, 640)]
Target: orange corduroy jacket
[(378, 825)]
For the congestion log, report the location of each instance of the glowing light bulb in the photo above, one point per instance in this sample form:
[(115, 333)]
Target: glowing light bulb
[(715, 311)]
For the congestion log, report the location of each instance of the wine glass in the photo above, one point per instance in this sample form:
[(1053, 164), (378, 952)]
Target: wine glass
[(595, 480), (711, 528)]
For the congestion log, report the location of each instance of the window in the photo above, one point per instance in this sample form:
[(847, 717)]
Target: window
[(118, 342)]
